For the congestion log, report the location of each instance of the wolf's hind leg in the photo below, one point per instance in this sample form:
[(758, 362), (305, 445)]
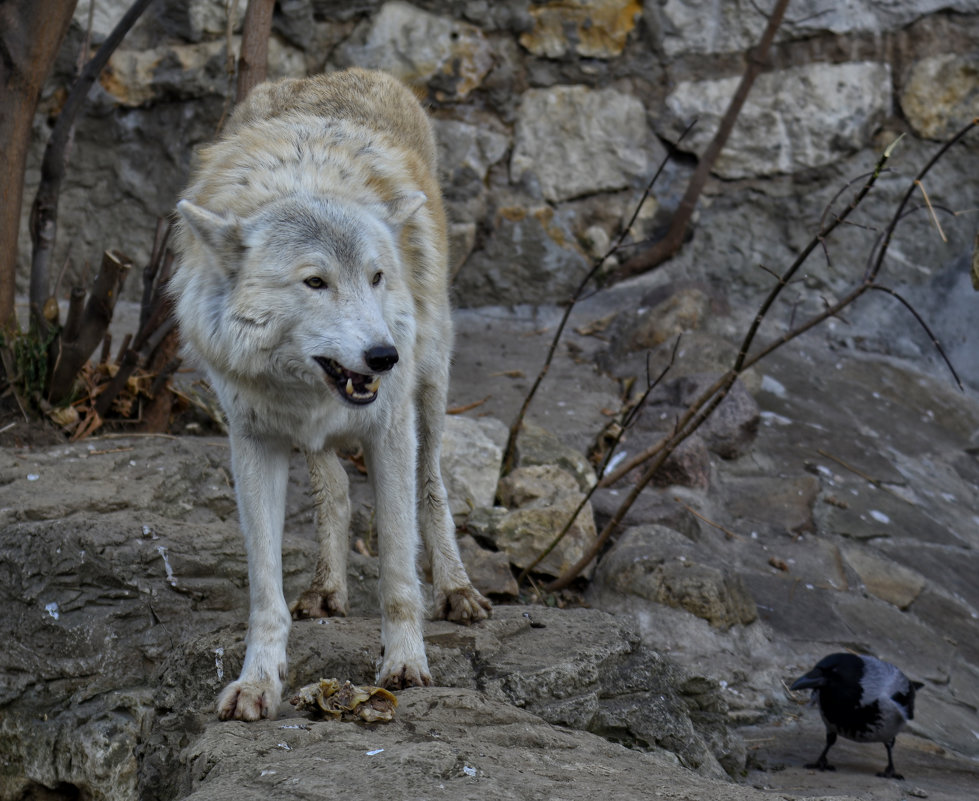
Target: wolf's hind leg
[(327, 595), (456, 599)]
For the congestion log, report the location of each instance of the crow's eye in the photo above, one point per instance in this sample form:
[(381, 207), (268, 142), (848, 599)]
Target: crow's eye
[(315, 282), (378, 277)]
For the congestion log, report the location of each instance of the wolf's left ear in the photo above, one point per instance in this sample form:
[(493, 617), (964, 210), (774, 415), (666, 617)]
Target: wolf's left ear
[(917, 685), (221, 234), (401, 208)]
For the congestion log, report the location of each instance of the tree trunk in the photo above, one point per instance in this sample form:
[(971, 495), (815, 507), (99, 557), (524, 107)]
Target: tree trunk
[(31, 31), (253, 61)]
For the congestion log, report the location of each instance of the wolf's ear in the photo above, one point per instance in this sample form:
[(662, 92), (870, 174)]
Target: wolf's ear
[(917, 685), (221, 234), (402, 207)]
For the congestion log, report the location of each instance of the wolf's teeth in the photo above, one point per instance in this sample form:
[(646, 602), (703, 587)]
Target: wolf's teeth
[(350, 386), (373, 385)]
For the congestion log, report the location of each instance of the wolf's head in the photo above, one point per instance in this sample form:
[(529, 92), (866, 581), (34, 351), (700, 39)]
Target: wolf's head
[(307, 289)]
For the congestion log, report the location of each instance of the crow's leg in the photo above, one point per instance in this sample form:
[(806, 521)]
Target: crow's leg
[(821, 763), (889, 772)]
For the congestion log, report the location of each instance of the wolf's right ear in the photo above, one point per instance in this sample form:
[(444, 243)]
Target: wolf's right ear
[(221, 234)]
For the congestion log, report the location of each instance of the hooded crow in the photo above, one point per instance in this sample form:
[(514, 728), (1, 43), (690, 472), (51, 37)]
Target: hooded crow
[(861, 698)]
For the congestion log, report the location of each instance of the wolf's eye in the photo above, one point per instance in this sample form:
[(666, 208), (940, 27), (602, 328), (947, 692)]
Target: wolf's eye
[(315, 282), (378, 277)]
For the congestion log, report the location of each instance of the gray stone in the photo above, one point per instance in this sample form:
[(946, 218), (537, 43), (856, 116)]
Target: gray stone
[(525, 533), (772, 504), (536, 485), (488, 570), (885, 578), (659, 564), (579, 141), (470, 464), (818, 114), (538, 446), (530, 255), (423, 49), (702, 26)]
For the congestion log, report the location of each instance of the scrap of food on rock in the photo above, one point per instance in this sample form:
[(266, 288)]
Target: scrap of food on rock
[(329, 698)]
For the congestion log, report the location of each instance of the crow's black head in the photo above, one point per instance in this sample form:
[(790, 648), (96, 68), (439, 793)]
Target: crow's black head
[(834, 671)]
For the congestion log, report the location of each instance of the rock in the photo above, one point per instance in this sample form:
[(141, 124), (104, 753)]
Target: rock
[(537, 446), (425, 50), (578, 141), (454, 742), (884, 578), (772, 504), (470, 464), (660, 565), (466, 153), (536, 485), (488, 570), (940, 94), (524, 534), (531, 254), (681, 312), (590, 28), (821, 112), (732, 426), (687, 466)]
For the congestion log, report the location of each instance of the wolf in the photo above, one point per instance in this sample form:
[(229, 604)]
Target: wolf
[(312, 288)]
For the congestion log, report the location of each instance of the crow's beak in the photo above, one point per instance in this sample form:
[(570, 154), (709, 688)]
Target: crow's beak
[(813, 680)]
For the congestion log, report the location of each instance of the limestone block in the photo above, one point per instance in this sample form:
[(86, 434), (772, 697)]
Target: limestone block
[(794, 119), (658, 564), (941, 94), (422, 49), (463, 146), (578, 141), (470, 464), (589, 28)]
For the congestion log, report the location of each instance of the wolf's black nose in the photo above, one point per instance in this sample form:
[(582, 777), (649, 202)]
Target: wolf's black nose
[(381, 358)]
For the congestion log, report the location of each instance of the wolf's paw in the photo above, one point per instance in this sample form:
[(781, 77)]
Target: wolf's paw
[(313, 603), (249, 700), (405, 676), (466, 605)]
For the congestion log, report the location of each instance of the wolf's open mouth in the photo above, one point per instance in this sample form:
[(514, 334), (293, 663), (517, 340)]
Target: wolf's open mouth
[(353, 387)]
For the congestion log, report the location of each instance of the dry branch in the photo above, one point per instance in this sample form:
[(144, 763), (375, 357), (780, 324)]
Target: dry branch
[(667, 247), (701, 409), (85, 329)]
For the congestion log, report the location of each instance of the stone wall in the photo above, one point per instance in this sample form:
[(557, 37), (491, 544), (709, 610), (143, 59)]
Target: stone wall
[(551, 118)]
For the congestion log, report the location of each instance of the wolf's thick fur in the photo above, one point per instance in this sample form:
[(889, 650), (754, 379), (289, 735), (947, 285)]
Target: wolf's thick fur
[(313, 289)]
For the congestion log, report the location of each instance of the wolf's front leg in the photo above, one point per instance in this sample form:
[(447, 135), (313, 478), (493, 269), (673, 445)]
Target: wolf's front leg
[(391, 466), (261, 470)]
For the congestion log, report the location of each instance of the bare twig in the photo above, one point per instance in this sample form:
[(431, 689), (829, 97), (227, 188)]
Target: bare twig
[(510, 450), (588, 495), (703, 407)]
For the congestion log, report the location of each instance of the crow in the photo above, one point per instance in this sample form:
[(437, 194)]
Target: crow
[(861, 698)]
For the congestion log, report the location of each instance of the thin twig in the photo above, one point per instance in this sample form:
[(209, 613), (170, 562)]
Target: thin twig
[(934, 217), (698, 412), (511, 446)]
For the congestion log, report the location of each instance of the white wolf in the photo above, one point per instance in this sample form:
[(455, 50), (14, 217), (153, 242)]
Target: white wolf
[(313, 288)]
